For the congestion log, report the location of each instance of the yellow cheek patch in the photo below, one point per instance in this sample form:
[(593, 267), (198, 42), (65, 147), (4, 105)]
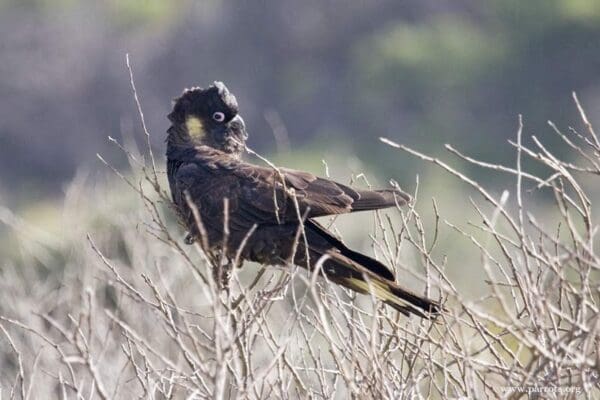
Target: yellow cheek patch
[(195, 127)]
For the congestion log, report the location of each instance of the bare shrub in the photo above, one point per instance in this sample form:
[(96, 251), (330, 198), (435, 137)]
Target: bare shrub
[(118, 307)]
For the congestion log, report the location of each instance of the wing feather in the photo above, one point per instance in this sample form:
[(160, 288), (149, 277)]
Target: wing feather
[(265, 196)]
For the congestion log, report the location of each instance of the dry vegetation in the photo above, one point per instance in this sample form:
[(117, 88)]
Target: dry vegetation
[(135, 313)]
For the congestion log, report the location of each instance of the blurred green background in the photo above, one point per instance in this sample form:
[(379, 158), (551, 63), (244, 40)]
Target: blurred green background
[(316, 80)]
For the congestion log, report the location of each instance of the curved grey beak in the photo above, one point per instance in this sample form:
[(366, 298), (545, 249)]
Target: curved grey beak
[(237, 127)]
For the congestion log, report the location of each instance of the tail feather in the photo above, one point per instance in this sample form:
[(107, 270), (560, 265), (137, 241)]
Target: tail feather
[(348, 273), (378, 199), (405, 302), (425, 304), (318, 233), (361, 273)]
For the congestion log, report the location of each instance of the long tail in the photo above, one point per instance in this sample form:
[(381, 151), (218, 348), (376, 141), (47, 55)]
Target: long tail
[(343, 271), (363, 274)]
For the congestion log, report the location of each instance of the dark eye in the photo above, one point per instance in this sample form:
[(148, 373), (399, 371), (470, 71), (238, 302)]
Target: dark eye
[(219, 116)]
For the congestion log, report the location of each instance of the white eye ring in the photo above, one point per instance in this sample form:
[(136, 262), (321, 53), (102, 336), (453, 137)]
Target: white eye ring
[(218, 116)]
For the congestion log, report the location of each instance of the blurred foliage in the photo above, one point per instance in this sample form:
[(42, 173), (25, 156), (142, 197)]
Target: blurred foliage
[(133, 13), (338, 74), (447, 51)]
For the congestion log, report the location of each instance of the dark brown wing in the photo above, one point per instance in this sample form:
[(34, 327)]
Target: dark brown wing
[(261, 195), (270, 194), (319, 191)]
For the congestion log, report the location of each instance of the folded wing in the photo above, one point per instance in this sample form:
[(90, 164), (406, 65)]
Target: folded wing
[(273, 195)]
